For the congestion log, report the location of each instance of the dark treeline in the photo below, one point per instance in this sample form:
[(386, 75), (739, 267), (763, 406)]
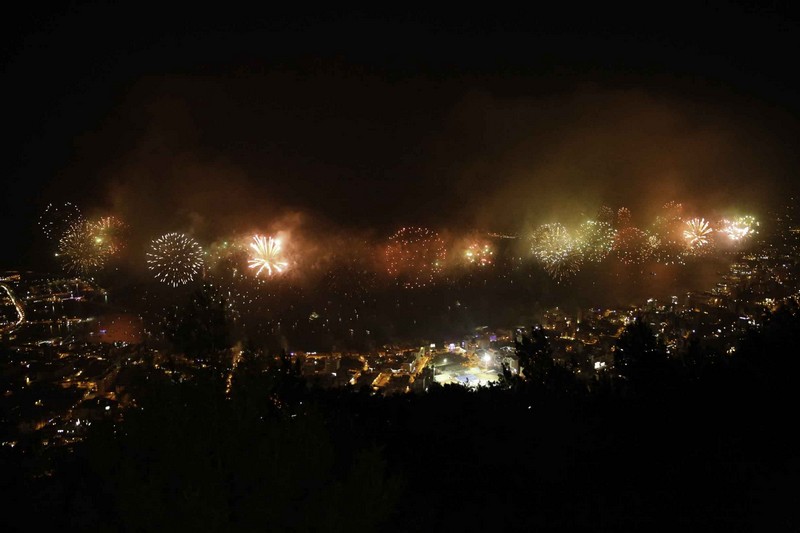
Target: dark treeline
[(699, 441)]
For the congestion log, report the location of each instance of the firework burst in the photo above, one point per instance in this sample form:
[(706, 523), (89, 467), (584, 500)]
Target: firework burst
[(108, 233), (57, 219), (415, 256), (632, 246), (554, 248), (668, 244), (175, 258), (697, 234), (79, 250), (550, 241), (595, 240), (623, 217), (606, 214), (672, 210), (479, 253), (266, 255), (740, 228), (565, 266)]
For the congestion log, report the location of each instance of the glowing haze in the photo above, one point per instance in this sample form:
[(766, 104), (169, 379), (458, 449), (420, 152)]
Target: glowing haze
[(334, 178), (213, 161)]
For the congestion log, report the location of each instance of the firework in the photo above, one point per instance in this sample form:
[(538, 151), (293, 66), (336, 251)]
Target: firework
[(672, 210), (266, 255), (632, 246), (553, 247), (667, 235), (605, 214), (415, 256), (79, 249), (740, 228), (57, 219), (623, 217), (697, 234), (228, 254), (108, 234), (479, 253), (595, 240), (565, 266), (550, 241), (175, 258)]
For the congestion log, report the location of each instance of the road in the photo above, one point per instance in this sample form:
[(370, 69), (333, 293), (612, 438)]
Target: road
[(17, 305)]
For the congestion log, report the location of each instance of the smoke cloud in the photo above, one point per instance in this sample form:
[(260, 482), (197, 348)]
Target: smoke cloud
[(334, 155)]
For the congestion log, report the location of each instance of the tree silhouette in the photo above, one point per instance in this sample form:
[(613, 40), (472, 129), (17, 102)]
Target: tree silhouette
[(698, 359), (535, 355), (540, 371), (640, 355), (769, 355)]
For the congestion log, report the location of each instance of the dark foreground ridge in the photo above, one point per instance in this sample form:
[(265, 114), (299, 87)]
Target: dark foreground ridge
[(698, 441)]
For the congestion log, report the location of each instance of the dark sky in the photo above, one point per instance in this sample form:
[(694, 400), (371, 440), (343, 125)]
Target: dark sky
[(214, 119)]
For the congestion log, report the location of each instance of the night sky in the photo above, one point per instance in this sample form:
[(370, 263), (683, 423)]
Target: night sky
[(212, 120)]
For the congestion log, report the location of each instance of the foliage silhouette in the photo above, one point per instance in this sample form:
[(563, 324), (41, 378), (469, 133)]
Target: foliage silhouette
[(708, 449)]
